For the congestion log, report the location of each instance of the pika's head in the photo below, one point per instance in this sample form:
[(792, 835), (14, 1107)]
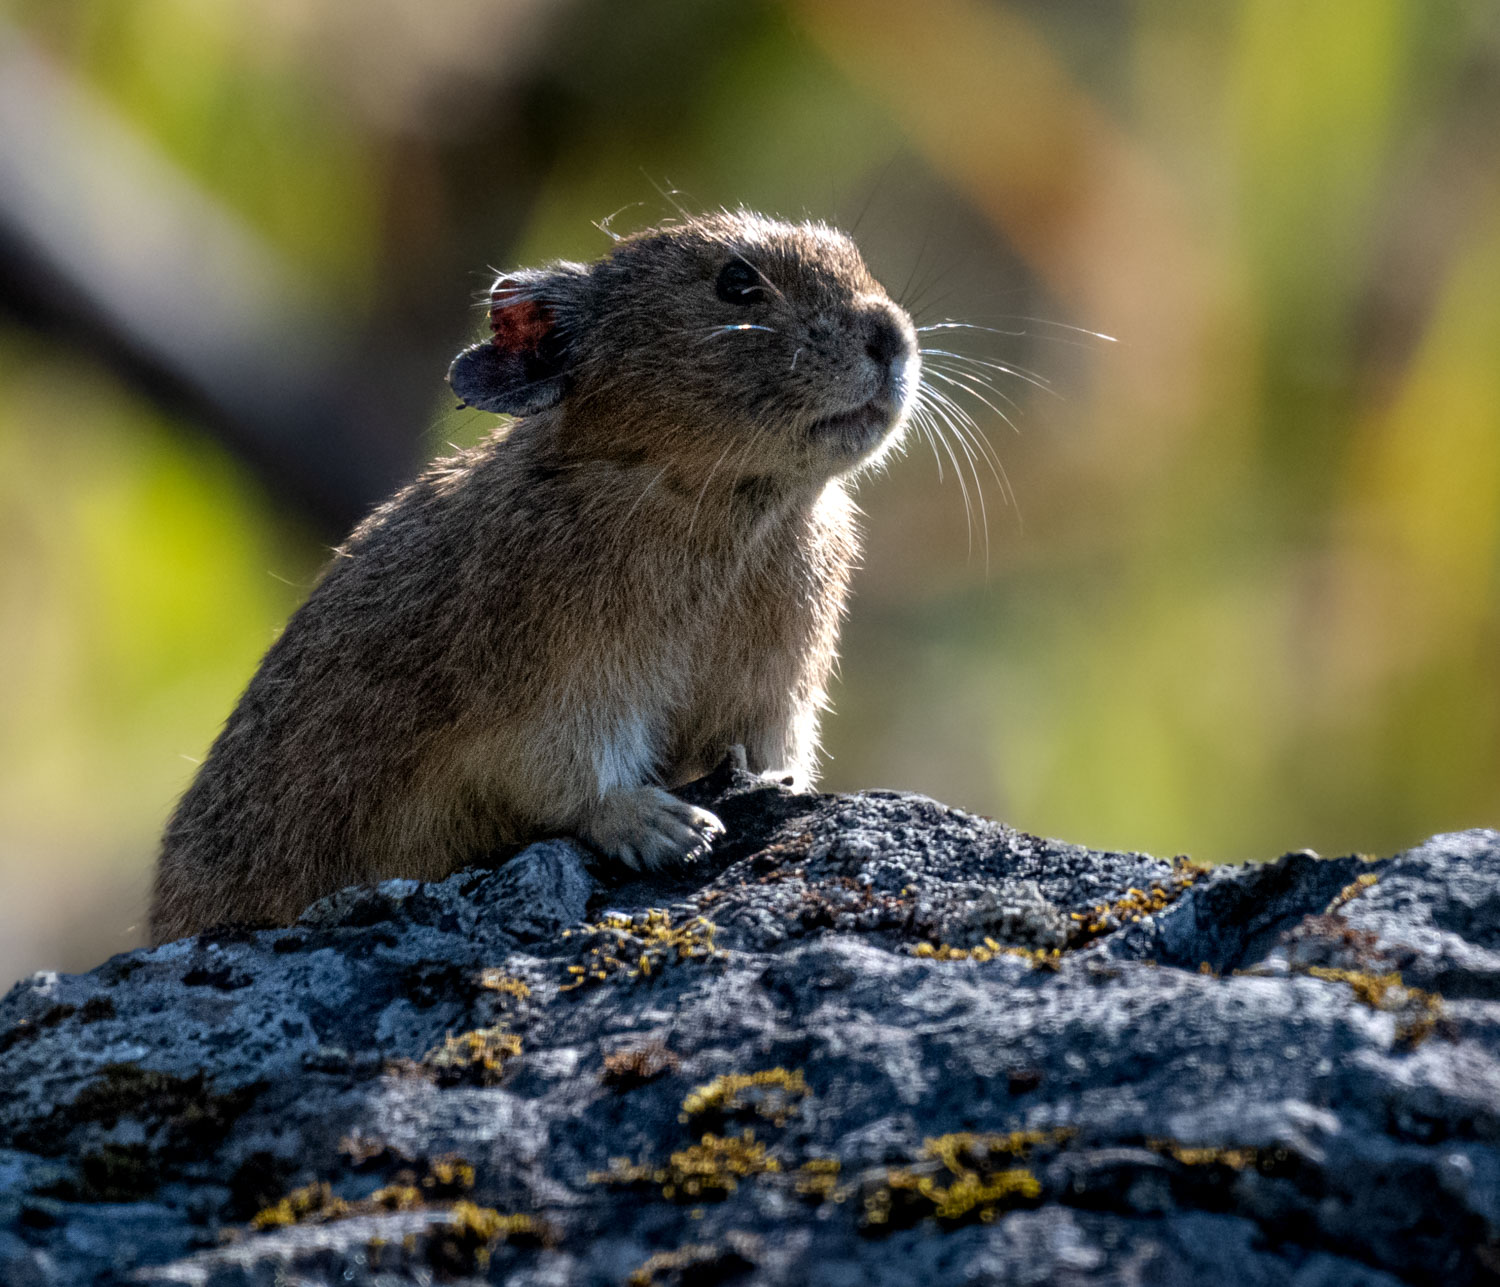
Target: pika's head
[(730, 342)]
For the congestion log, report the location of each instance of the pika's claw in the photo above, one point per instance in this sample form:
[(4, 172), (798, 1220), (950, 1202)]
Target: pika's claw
[(649, 828)]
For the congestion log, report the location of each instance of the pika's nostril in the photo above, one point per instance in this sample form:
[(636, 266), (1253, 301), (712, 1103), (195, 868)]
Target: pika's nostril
[(884, 341)]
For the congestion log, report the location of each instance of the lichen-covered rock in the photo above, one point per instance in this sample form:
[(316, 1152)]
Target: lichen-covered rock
[(870, 1040)]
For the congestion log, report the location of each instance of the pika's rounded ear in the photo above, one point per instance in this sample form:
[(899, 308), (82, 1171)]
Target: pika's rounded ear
[(523, 366)]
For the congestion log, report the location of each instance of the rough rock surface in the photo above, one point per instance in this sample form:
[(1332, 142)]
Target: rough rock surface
[(914, 1046)]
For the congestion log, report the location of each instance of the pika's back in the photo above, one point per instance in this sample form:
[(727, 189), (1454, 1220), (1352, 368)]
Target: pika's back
[(545, 633)]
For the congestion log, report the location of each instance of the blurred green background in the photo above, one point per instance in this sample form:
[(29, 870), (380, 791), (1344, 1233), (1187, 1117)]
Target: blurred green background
[(1248, 600)]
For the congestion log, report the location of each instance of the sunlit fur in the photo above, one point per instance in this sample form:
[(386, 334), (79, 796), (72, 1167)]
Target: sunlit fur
[(540, 633)]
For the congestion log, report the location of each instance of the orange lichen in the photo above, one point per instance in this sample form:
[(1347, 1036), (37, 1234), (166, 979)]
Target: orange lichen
[(636, 1065)]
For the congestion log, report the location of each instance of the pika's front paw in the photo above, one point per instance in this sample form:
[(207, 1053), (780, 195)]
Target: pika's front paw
[(649, 828)]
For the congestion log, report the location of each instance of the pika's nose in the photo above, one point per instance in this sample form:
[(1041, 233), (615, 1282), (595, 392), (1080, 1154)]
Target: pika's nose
[(884, 339)]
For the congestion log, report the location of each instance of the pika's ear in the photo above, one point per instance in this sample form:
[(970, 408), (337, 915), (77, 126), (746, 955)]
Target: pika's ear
[(523, 366)]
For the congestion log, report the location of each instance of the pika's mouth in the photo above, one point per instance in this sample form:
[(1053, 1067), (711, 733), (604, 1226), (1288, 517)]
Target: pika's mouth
[(868, 420)]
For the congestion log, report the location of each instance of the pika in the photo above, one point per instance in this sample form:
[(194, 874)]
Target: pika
[(544, 634)]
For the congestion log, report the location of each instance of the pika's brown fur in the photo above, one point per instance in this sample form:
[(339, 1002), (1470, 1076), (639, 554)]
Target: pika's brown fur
[(544, 632)]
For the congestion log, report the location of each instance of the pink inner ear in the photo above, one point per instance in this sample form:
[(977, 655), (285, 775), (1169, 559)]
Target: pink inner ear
[(519, 324)]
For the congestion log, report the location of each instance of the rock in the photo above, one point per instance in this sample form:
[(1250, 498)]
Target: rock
[(870, 1040)]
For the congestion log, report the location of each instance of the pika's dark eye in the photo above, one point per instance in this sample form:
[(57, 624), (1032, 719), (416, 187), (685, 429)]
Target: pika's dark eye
[(739, 283)]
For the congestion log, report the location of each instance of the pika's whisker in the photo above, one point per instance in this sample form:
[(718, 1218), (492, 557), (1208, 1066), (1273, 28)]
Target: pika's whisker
[(919, 419), (953, 416), (968, 372), (1004, 368), (947, 377), (741, 326), (951, 325), (939, 419), (982, 442)]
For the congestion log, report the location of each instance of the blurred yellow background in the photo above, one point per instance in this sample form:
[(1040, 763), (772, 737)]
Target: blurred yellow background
[(1248, 598)]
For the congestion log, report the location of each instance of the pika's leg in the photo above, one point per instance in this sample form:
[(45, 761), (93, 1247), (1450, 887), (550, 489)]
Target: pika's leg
[(647, 827), (782, 750)]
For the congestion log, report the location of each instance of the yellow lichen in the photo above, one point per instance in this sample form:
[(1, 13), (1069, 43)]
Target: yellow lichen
[(969, 1193), (465, 1242), (397, 1197), (987, 950), (312, 1200), (1236, 1159), (478, 1056), (958, 1150), (1106, 918), (491, 1225), (449, 1173), (710, 1169), (770, 1093), (506, 984), (1041, 958), (697, 1262), (1371, 989), (819, 1178), (981, 1178), (637, 946), (1351, 891), (1419, 1010), (1097, 921)]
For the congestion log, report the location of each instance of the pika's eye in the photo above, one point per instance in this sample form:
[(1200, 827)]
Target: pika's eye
[(739, 283)]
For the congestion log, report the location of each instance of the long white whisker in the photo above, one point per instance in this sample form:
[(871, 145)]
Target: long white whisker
[(969, 427), (919, 417), (1005, 368), (947, 377), (975, 433), (742, 326), (980, 377), (963, 486), (949, 412), (1019, 317)]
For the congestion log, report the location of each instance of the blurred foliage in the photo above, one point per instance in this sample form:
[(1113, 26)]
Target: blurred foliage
[(1254, 603)]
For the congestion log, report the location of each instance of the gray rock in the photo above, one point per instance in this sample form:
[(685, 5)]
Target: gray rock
[(983, 1057)]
